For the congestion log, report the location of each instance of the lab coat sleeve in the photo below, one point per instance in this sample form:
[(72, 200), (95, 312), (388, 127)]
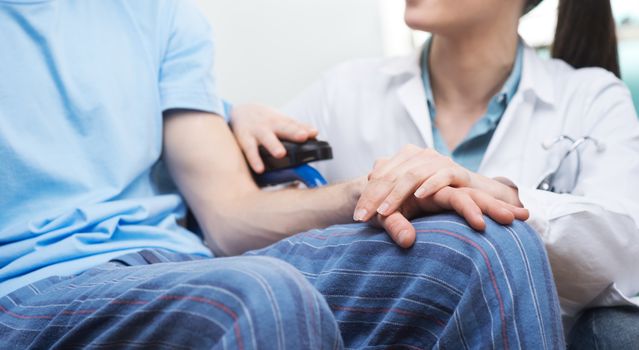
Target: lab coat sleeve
[(592, 238)]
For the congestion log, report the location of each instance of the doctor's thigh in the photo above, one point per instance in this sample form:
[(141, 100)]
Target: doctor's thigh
[(606, 328)]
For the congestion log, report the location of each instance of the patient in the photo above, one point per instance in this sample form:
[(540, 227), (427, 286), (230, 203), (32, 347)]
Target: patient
[(478, 104), (92, 256)]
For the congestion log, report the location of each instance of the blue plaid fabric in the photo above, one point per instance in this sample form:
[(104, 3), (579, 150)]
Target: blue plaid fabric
[(343, 287)]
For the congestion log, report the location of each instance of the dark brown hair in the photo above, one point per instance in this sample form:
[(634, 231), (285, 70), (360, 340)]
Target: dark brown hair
[(586, 34)]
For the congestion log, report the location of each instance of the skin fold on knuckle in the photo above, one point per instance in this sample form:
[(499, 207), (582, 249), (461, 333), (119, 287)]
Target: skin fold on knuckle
[(393, 227), (434, 186), (412, 177), (456, 176), (262, 134), (295, 128), (379, 196), (249, 146), (448, 176), (387, 179), (274, 145), (393, 200), (365, 203), (283, 129), (376, 174)]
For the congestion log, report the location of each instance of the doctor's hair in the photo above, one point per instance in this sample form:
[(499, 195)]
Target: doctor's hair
[(586, 35)]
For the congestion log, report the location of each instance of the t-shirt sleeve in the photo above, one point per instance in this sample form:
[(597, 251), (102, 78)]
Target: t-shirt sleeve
[(186, 71)]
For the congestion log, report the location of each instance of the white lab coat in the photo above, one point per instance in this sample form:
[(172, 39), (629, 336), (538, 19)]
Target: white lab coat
[(369, 109)]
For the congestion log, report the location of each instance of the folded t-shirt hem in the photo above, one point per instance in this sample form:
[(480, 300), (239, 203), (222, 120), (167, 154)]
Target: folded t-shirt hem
[(199, 101)]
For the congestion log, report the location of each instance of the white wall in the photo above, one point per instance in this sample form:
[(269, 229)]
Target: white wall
[(269, 50)]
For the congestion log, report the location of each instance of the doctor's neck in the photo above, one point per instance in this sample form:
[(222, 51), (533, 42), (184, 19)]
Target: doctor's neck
[(470, 60), (470, 68)]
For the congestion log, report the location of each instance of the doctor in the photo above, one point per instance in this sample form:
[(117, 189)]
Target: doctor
[(484, 111)]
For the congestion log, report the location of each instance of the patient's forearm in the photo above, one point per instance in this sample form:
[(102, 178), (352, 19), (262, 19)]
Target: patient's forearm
[(210, 171), (262, 218)]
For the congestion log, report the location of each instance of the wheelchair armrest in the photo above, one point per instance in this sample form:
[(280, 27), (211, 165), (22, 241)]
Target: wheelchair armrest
[(294, 166), (305, 174)]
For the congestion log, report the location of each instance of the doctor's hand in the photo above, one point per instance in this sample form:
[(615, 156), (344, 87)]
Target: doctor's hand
[(416, 173), (469, 203), (255, 125)]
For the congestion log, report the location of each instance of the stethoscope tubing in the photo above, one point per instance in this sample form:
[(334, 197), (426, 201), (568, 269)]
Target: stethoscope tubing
[(547, 183)]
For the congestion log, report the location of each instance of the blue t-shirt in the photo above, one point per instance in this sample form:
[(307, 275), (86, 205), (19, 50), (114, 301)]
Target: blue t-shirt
[(470, 152), (83, 84)]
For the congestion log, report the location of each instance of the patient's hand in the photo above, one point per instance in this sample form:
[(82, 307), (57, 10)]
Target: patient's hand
[(255, 125)]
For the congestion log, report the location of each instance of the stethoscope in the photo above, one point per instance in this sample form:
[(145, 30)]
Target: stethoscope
[(549, 183)]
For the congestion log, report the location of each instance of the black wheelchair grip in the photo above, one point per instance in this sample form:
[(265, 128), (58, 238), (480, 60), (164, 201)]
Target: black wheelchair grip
[(297, 154)]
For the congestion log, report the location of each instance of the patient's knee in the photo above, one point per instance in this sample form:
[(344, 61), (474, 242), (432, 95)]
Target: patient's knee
[(508, 247)]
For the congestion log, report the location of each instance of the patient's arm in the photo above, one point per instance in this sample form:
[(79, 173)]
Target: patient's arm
[(235, 215)]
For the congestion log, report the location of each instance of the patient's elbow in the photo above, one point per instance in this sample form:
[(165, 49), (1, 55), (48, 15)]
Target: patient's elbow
[(229, 234)]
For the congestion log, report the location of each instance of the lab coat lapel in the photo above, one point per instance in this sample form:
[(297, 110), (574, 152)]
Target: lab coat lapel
[(412, 96), (535, 86), (517, 115), (405, 74)]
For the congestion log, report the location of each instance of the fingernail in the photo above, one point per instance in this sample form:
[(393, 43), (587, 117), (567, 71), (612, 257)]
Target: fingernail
[(360, 214), (420, 193), (402, 237), (383, 208), (481, 222)]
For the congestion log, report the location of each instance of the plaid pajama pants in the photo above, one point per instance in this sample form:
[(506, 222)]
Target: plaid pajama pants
[(346, 286)]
